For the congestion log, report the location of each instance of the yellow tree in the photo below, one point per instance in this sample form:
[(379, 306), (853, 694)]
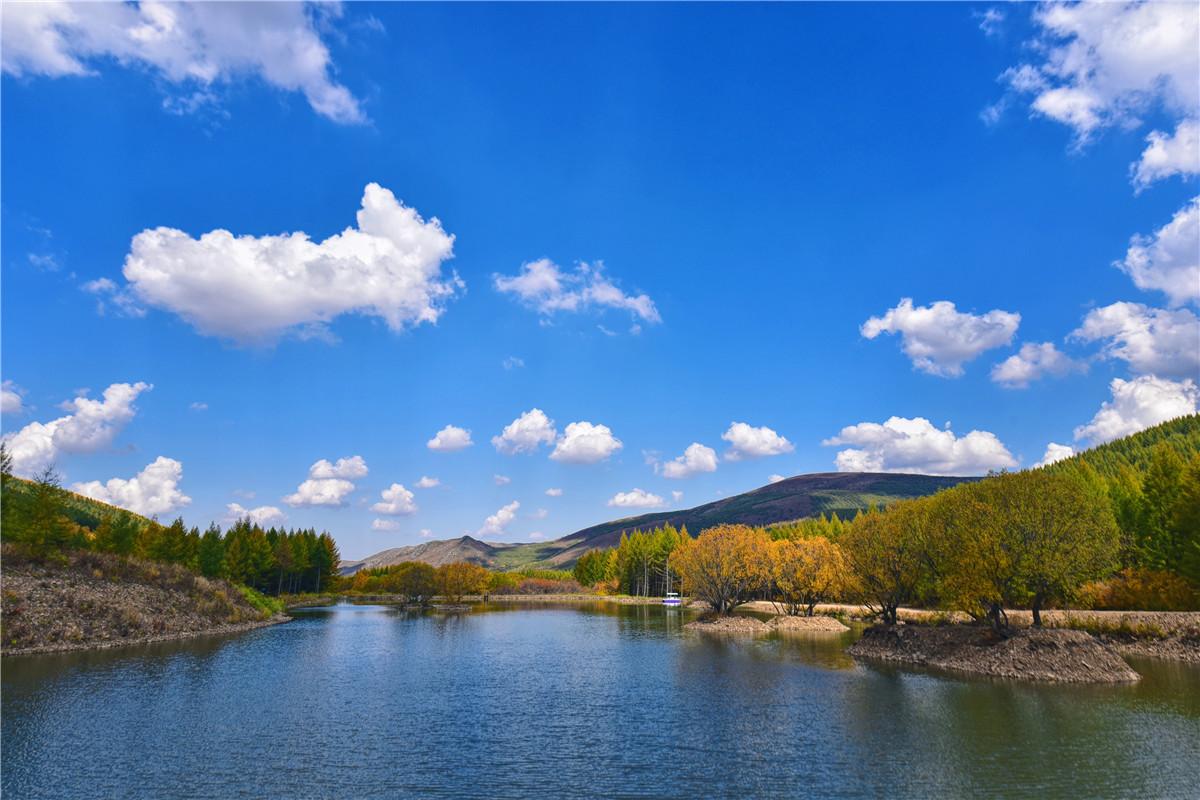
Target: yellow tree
[(462, 578), (888, 555), (724, 566), (805, 572)]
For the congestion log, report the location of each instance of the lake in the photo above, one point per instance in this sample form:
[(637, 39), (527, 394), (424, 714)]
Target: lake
[(605, 701)]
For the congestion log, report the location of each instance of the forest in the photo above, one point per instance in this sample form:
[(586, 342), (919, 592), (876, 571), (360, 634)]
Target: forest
[(1115, 527), (45, 519)]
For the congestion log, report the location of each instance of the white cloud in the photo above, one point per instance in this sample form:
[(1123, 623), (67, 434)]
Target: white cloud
[(749, 442), (328, 483), (396, 501), (253, 289), (10, 398), (194, 46), (1153, 341), (154, 490), (543, 285), (1166, 155), (537, 536), (350, 468), (525, 433), (989, 21), (512, 362), (1055, 452), (636, 498), (120, 298), (554, 492), (938, 338), (1032, 362), (775, 478), (501, 480), (198, 406), (425, 533), (427, 483), (585, 443), (450, 439), (1169, 261), (263, 515), (541, 513), (695, 459), (915, 446), (496, 523), (676, 496), (1108, 64), (92, 425), (385, 525), (1139, 404)]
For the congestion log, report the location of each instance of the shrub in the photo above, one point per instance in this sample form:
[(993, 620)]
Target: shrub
[(1142, 590)]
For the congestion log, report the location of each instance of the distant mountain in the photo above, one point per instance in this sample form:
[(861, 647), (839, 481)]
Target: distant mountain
[(842, 493), (437, 553)]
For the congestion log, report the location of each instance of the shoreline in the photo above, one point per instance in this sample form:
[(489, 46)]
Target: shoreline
[(112, 644)]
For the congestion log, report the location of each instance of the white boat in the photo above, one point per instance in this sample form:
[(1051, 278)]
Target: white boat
[(672, 599)]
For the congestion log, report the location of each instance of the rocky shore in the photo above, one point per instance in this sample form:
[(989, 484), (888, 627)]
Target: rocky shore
[(93, 600), (1053, 655), (727, 624), (813, 624)]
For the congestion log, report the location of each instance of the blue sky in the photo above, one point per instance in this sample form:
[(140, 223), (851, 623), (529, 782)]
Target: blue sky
[(666, 219)]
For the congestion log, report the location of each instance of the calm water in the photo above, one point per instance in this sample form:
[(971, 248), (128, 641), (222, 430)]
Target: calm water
[(365, 702)]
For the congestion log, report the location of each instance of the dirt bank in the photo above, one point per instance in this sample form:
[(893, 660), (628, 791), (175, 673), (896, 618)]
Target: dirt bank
[(727, 624), (93, 600), (815, 624), (1062, 656)]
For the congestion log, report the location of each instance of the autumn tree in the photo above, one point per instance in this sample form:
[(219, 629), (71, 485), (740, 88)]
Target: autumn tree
[(461, 578), (805, 572), (887, 553), (724, 566)]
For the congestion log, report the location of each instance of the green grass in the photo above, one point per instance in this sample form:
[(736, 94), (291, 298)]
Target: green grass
[(267, 606)]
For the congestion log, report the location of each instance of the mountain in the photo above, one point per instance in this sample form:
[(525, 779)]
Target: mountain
[(842, 493), (437, 553)]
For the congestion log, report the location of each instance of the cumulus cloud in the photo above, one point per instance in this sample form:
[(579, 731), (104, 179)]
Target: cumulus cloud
[(263, 515), (1153, 341), (1031, 362), (1169, 260), (496, 523), (1055, 452), (92, 425), (749, 442), (1168, 154), (776, 478), (554, 492), (695, 459), (525, 433), (119, 299), (501, 480), (1108, 64), (427, 482), (154, 490), (676, 496), (328, 483), (544, 286), (990, 21), (396, 501), (449, 439), (385, 525), (11, 401), (254, 289), (915, 446), (636, 498), (585, 443), (1139, 404), (196, 47), (938, 338)]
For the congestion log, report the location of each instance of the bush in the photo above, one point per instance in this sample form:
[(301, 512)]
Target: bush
[(267, 606), (1141, 590)]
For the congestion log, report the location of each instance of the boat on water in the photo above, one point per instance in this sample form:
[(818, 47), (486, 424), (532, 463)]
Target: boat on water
[(672, 599)]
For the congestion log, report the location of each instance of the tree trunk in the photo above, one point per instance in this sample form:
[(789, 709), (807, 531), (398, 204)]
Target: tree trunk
[(1037, 612)]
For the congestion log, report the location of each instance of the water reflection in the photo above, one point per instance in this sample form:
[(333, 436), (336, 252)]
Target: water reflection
[(601, 701)]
